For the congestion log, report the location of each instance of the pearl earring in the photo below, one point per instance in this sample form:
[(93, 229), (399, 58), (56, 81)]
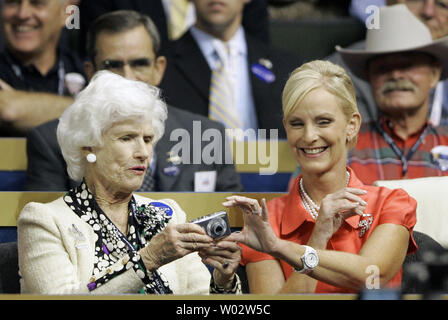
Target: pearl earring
[(91, 158)]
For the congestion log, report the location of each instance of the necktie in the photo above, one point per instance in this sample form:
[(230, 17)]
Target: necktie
[(148, 183), (178, 14), (222, 105)]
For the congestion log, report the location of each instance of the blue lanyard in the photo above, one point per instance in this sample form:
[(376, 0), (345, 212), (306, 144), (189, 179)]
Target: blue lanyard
[(18, 72), (404, 158)]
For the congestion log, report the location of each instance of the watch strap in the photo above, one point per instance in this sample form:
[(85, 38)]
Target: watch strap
[(305, 268)]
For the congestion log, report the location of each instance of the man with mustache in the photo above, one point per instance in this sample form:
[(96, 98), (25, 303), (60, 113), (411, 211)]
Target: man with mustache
[(402, 64), (434, 14)]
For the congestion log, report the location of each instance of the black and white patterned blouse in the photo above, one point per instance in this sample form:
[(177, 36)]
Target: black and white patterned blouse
[(111, 246), (144, 222)]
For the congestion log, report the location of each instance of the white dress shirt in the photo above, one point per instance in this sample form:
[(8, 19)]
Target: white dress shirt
[(238, 70)]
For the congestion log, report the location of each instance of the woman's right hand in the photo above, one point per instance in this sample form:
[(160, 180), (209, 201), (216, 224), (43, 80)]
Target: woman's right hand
[(337, 207), (257, 232), (174, 242)]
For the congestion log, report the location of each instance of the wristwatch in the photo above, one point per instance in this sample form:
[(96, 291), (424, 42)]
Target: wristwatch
[(310, 260)]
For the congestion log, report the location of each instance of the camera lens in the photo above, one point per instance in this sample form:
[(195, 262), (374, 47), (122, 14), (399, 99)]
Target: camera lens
[(216, 228)]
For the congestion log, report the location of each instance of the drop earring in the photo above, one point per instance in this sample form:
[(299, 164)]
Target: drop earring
[(91, 158), (349, 139)]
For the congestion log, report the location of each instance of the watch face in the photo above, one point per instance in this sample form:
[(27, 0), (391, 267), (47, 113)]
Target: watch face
[(311, 260)]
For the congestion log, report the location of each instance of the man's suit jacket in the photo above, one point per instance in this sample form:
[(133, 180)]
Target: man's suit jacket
[(47, 170), (255, 16), (52, 260), (186, 82)]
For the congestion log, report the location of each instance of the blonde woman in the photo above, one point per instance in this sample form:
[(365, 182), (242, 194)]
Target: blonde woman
[(331, 232)]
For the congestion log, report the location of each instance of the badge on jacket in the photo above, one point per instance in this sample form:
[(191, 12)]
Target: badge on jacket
[(262, 70), (205, 181), (439, 156), (172, 170)]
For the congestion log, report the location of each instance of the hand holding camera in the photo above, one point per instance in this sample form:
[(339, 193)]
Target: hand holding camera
[(216, 225), (174, 242), (225, 255)]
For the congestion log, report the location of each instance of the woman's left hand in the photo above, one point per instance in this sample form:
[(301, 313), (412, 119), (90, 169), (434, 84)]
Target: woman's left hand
[(224, 257)]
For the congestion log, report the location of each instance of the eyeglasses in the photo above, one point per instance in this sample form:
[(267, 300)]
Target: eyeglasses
[(117, 66)]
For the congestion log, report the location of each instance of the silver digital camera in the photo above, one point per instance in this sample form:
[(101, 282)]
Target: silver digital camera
[(216, 225)]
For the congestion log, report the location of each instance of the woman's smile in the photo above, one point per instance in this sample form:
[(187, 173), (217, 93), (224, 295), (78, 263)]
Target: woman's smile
[(317, 130), (313, 152)]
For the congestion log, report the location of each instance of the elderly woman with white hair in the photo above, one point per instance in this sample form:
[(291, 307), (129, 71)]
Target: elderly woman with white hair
[(331, 233), (101, 237)]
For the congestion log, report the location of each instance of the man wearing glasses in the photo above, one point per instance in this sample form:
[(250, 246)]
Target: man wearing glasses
[(127, 43)]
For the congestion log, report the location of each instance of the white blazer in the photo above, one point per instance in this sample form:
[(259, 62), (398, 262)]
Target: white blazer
[(55, 260)]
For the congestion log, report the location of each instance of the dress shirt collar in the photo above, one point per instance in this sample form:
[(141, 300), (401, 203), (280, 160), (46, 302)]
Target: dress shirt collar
[(293, 220), (208, 44), (390, 128)]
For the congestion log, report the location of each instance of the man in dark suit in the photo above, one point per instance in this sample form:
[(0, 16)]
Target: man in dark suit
[(127, 43), (260, 71), (255, 16)]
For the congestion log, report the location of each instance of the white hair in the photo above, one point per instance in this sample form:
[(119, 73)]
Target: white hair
[(109, 98)]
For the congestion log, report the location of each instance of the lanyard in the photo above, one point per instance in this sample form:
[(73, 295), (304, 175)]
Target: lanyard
[(153, 282), (404, 159), (158, 285), (157, 282), (18, 73)]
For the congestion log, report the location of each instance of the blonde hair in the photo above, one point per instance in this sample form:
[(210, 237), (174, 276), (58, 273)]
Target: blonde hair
[(320, 74)]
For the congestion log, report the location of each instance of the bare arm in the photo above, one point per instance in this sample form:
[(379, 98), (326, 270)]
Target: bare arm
[(24, 110), (338, 268), (348, 270), (265, 277)]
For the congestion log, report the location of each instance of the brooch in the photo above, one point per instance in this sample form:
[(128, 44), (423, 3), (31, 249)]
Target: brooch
[(365, 224), (79, 237)]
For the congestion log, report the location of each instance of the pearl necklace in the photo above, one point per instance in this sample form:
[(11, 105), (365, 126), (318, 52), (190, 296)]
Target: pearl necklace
[(308, 203)]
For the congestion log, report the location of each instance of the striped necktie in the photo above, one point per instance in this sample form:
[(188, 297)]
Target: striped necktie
[(222, 105), (148, 183), (177, 20)]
